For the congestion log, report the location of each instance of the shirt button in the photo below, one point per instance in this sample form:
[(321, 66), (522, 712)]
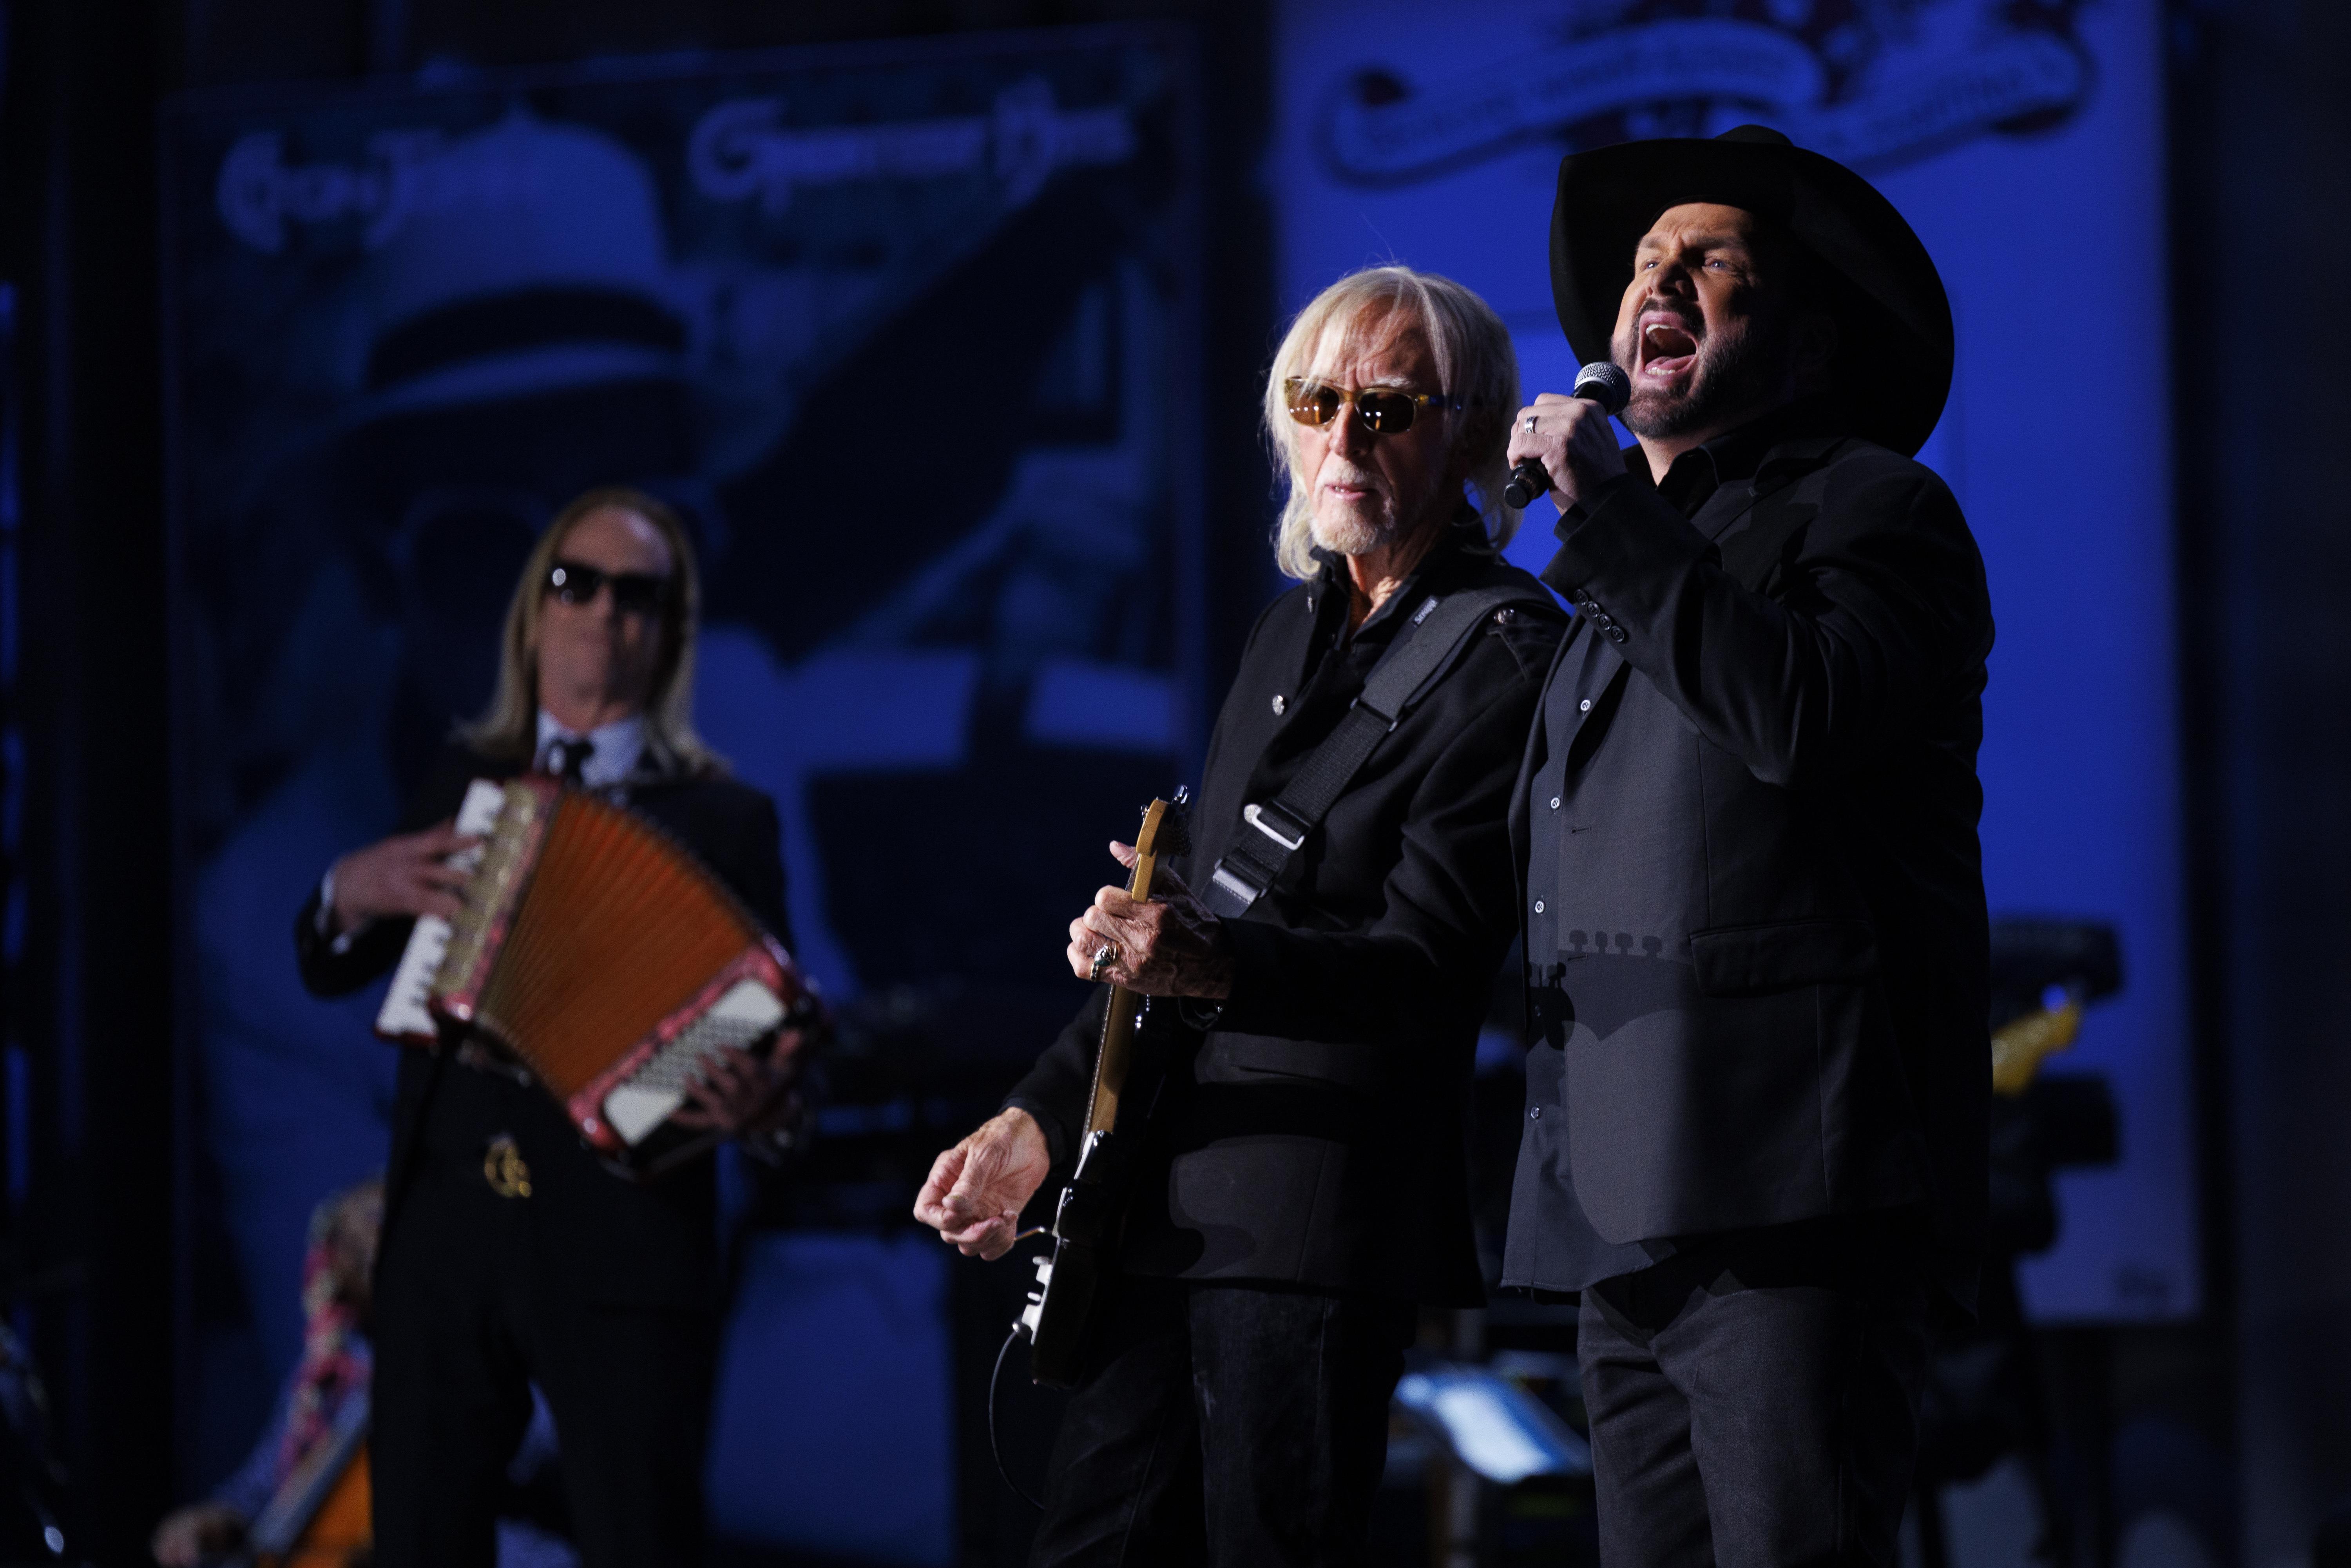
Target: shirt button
[(1583, 706), (1537, 906), (1280, 702), (1555, 802), (1534, 1113)]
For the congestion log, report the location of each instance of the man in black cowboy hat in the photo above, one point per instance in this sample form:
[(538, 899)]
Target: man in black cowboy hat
[(1753, 907)]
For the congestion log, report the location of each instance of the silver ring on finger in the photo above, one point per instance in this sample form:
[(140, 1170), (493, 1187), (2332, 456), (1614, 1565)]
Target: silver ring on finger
[(1531, 424), (1103, 955)]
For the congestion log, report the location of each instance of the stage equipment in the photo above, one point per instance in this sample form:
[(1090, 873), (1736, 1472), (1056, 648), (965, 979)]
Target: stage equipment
[(2043, 972), (1491, 1424), (1983, 1395), (599, 953), (1601, 381)]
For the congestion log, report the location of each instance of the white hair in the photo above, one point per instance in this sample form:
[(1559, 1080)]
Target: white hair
[(1475, 363)]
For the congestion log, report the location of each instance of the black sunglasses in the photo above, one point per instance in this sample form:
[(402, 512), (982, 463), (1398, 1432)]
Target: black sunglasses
[(633, 592), (1384, 411)]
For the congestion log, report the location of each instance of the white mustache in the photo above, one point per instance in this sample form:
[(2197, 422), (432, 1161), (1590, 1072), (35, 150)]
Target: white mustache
[(1352, 478)]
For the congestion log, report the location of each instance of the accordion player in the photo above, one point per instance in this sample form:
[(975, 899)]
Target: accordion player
[(517, 1254)]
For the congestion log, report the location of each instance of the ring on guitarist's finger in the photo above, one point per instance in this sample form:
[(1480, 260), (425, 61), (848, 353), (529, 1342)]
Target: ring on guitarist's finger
[(1103, 956)]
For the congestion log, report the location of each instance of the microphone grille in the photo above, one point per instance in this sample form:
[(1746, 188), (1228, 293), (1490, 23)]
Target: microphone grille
[(1606, 383)]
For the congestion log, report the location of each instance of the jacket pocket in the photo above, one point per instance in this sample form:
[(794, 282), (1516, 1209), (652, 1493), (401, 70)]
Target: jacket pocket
[(1257, 1059), (1749, 960)]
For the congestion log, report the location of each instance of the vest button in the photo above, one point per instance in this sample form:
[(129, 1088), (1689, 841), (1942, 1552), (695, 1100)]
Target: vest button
[(1534, 1113), (1280, 703)]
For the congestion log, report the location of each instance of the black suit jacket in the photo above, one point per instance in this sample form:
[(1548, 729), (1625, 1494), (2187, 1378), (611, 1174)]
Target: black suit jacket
[(1315, 1138), (607, 1238), (1765, 998)]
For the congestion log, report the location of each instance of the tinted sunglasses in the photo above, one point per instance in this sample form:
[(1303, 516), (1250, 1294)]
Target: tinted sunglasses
[(1384, 410), (633, 592)]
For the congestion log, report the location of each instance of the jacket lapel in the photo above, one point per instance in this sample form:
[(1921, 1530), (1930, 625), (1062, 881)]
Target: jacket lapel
[(1584, 728), (1536, 754), (1772, 516)]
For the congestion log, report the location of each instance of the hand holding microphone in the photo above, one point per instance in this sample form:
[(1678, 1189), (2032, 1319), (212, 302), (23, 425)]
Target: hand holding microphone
[(1601, 383)]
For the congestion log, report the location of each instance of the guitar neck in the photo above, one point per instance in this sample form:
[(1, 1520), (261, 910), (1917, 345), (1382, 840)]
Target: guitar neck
[(1126, 1010)]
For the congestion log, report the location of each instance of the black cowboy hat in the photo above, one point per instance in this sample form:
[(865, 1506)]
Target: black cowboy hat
[(1893, 367)]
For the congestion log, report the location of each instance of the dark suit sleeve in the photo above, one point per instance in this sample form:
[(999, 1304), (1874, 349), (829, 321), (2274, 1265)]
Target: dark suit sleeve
[(375, 949), (1056, 1090), (327, 973), (1450, 906), (1883, 606), (757, 871)]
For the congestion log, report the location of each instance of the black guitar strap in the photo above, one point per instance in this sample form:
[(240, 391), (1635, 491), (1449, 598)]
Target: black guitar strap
[(1408, 669)]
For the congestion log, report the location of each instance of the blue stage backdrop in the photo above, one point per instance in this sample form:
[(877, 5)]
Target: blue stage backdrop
[(906, 333), (2024, 143)]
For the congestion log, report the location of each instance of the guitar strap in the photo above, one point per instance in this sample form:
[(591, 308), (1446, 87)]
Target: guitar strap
[(1408, 670)]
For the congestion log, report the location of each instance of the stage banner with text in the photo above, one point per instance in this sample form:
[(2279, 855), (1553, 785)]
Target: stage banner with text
[(904, 333), (2024, 143)]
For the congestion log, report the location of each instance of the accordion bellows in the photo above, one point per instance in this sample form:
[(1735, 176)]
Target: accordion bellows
[(602, 953)]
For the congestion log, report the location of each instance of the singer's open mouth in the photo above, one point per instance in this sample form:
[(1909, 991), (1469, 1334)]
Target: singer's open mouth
[(1667, 349)]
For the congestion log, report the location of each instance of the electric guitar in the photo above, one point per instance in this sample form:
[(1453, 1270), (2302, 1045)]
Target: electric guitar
[(1093, 1208), (321, 1516)]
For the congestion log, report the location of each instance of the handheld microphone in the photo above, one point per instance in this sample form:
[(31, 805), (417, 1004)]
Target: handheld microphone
[(1600, 382)]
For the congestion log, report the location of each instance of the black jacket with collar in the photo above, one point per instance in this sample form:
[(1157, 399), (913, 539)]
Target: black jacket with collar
[(612, 1240), (1764, 992), (1315, 1137)]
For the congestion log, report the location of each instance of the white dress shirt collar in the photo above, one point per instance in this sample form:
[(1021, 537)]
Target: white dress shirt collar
[(618, 747)]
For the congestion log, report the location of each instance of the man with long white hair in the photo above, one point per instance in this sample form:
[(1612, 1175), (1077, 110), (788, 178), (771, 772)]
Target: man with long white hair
[(1301, 1186)]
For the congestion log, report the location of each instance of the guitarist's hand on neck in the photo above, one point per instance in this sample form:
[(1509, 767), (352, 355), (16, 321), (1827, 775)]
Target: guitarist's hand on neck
[(1170, 946), (976, 1190)]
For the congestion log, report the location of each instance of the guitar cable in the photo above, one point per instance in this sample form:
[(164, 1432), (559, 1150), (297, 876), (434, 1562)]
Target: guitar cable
[(995, 1446)]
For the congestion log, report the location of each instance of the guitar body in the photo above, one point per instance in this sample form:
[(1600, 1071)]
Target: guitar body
[(342, 1533), (1073, 1282), (323, 1515), (1069, 1284)]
